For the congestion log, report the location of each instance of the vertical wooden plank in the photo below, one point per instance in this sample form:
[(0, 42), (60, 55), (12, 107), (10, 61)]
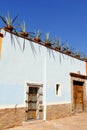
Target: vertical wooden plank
[(32, 103), (78, 98)]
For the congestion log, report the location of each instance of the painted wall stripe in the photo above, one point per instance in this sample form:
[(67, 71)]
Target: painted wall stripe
[(1, 37), (86, 68)]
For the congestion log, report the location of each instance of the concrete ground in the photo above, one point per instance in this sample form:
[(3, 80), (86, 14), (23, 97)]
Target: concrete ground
[(74, 122)]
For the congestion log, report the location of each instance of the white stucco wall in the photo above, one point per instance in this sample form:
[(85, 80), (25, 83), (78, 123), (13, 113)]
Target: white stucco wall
[(18, 67), (58, 72), (36, 64)]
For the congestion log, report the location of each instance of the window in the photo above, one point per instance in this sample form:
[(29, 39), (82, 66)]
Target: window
[(57, 89)]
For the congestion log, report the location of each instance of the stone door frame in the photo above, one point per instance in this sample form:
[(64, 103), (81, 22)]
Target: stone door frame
[(39, 96), (79, 78)]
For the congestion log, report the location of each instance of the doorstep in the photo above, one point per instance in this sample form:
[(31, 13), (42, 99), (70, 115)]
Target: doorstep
[(32, 122)]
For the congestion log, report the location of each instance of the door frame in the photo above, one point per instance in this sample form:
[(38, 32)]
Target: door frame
[(78, 90), (39, 98), (79, 78)]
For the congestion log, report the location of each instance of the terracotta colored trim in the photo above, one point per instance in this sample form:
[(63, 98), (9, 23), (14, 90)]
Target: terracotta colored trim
[(1, 35), (0, 46), (78, 75), (86, 67)]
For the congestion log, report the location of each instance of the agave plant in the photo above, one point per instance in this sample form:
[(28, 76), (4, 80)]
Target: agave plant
[(23, 30), (77, 54), (37, 37), (47, 39), (84, 57), (8, 22), (58, 44), (67, 49)]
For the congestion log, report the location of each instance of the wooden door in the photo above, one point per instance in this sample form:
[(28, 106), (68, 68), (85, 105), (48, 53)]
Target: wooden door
[(78, 97), (32, 103)]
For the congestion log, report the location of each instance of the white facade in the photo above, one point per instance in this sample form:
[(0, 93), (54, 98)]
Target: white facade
[(36, 64)]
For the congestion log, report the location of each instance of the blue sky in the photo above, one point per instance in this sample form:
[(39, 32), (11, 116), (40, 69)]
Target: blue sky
[(65, 19)]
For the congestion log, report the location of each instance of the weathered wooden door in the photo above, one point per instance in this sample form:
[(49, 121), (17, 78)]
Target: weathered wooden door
[(78, 97), (32, 103)]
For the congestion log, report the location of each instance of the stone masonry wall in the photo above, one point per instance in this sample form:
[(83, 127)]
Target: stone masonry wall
[(58, 111), (10, 117)]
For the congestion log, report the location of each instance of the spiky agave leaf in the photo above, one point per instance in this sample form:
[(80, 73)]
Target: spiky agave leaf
[(38, 33), (22, 26), (47, 39), (47, 36), (14, 19), (7, 20), (57, 42), (3, 19)]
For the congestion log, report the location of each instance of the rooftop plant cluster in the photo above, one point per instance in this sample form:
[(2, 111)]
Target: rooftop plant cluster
[(20, 30)]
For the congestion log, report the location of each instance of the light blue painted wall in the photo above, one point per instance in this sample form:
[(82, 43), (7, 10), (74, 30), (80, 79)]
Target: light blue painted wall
[(58, 68), (18, 67), (11, 94)]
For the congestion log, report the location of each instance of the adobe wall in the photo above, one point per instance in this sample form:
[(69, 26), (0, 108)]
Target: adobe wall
[(10, 117), (58, 111)]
